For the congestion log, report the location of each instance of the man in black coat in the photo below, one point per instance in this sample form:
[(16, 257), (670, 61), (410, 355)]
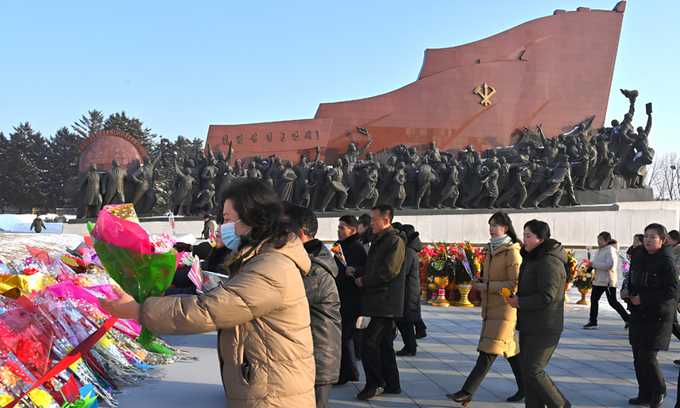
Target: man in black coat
[(383, 285), (37, 224), (351, 296), (324, 301)]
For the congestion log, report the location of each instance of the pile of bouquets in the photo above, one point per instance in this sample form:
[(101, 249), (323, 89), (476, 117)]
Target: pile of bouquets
[(49, 307)]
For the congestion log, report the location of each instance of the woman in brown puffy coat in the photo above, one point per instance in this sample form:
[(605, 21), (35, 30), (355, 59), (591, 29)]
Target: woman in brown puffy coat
[(498, 337), (261, 313)]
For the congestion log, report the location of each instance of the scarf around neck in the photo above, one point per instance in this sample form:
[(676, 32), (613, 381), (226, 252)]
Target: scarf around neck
[(499, 241)]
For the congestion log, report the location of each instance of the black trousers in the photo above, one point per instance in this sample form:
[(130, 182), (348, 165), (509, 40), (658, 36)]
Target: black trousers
[(348, 362), (611, 298), (408, 335), (377, 354), (539, 389), (420, 327), (649, 376), (484, 362)]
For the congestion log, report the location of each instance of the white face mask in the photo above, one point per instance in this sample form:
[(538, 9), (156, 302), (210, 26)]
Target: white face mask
[(229, 237)]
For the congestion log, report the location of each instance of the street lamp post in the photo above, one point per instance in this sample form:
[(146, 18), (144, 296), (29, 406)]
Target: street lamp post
[(674, 174)]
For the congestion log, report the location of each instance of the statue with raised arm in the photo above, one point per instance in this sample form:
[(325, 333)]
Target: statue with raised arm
[(209, 174), (353, 154), (224, 161), (114, 193), (143, 177), (91, 187), (181, 198), (644, 154)]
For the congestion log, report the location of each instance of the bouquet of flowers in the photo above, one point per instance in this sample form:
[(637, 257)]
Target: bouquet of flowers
[(572, 266), (625, 269), (469, 260), (440, 264), (584, 276), (142, 265), (337, 251)]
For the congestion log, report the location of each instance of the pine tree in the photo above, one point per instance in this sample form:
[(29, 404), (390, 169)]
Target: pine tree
[(88, 125), (63, 162), (132, 126), (25, 167)]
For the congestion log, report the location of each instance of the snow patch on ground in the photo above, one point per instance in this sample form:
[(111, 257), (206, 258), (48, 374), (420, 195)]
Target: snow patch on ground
[(22, 223), (13, 245)]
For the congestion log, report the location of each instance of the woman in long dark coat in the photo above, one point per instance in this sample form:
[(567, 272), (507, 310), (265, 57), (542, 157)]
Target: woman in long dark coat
[(651, 293), (540, 312), (411, 315)]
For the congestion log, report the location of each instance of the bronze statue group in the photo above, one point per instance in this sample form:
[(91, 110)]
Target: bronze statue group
[(536, 171)]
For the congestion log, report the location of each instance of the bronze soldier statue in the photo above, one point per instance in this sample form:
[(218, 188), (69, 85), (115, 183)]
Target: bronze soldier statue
[(115, 184), (91, 187)]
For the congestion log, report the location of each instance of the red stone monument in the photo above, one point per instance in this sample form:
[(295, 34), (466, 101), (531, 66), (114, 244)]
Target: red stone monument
[(102, 147), (556, 70)]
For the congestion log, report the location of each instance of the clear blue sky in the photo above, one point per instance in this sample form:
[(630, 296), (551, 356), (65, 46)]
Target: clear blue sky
[(181, 66)]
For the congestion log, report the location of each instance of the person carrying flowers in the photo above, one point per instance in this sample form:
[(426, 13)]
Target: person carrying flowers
[(498, 337), (604, 265), (261, 313)]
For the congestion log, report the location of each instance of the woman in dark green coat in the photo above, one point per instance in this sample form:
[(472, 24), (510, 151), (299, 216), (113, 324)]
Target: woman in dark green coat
[(540, 312)]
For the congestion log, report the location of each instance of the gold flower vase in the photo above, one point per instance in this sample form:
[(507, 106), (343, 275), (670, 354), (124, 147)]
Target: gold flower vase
[(432, 288), (441, 283), (566, 289), (584, 292), (464, 290)]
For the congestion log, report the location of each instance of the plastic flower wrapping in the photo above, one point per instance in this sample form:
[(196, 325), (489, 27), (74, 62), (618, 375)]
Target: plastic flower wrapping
[(337, 251), (49, 307), (141, 264)]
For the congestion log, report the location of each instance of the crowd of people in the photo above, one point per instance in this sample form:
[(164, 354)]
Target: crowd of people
[(293, 317)]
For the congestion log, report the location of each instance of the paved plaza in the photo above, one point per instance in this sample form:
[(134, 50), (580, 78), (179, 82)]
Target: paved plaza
[(591, 367)]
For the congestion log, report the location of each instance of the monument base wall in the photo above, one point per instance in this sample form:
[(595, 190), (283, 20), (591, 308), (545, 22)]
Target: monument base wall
[(573, 226)]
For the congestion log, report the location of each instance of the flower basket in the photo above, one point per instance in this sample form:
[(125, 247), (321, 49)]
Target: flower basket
[(584, 281)]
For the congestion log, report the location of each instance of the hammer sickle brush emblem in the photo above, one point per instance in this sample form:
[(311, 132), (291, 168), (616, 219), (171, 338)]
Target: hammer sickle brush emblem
[(485, 95)]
